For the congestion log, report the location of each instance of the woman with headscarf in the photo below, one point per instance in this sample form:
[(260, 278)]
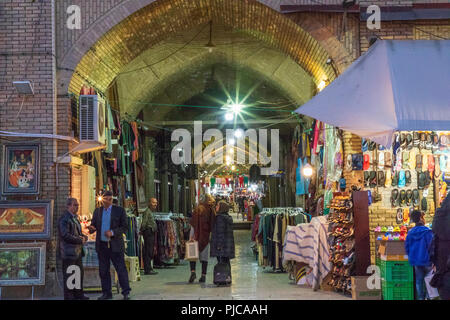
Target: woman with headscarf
[(222, 239), (201, 225), (441, 253)]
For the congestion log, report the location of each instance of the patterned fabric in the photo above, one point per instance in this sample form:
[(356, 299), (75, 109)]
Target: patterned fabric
[(308, 243)]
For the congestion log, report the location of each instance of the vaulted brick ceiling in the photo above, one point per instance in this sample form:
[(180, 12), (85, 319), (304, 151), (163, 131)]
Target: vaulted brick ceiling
[(274, 36), (165, 75)]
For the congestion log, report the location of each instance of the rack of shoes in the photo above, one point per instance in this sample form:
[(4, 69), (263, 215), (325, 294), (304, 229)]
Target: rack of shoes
[(342, 241)]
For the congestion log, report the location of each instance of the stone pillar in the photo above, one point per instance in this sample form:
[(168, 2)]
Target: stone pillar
[(176, 194), (184, 194), (149, 168), (165, 182)]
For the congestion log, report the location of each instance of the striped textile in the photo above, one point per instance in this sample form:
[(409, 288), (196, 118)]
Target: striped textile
[(307, 242)]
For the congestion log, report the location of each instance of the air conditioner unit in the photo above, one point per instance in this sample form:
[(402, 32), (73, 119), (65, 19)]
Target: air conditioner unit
[(92, 119)]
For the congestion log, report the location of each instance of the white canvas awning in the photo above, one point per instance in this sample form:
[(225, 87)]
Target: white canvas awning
[(395, 85)]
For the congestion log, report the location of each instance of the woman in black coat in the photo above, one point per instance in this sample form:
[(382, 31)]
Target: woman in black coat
[(222, 239), (441, 256)]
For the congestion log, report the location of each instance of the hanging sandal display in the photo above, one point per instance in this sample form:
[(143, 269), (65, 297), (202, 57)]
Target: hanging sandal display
[(405, 160), (395, 179), (388, 182), (407, 178), (422, 140), (418, 162), (394, 198), (399, 216), (409, 141), (416, 139), (401, 179), (424, 205), (402, 198), (373, 179), (429, 142), (388, 160), (416, 197), (408, 197), (412, 160), (381, 179)]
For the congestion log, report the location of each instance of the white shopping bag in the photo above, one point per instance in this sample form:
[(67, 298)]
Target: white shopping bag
[(192, 253), (432, 292)]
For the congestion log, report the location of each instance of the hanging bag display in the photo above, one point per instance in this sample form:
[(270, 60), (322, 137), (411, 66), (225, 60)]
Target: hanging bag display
[(192, 253)]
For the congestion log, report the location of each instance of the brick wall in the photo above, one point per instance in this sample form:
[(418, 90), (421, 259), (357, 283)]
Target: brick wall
[(26, 54)]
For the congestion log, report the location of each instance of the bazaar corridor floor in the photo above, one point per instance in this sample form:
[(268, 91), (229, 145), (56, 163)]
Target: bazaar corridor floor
[(249, 281)]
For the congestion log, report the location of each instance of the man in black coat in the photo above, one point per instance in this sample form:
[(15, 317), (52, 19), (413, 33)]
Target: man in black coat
[(440, 255), (110, 223), (71, 242)]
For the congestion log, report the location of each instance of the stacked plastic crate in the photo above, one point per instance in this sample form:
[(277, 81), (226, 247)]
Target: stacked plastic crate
[(397, 277)]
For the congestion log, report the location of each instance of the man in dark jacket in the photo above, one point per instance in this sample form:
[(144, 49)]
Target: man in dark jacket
[(110, 223), (71, 242), (148, 229), (222, 239), (417, 245), (441, 252)]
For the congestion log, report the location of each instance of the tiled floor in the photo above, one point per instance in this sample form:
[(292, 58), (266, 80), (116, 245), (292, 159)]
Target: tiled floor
[(249, 282)]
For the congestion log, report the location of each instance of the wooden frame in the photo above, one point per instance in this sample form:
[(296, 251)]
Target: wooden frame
[(21, 169), (22, 264), (26, 220)]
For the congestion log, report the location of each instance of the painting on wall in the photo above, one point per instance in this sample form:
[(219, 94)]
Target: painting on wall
[(21, 169), (26, 220), (22, 264)]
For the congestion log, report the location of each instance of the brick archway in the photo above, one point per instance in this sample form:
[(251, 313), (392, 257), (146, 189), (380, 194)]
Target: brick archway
[(132, 27)]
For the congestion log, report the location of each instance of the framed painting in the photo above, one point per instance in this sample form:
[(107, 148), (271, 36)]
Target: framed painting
[(26, 220), (21, 169), (22, 264)]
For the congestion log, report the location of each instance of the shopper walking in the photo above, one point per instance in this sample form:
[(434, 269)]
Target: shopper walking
[(148, 228), (441, 251), (201, 225), (417, 247), (110, 223), (222, 238), (71, 241)]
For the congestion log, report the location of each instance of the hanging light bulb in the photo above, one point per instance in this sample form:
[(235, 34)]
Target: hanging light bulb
[(238, 133), (307, 170), (229, 116)]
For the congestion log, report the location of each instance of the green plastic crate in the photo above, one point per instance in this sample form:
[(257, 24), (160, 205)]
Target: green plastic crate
[(377, 261), (397, 290), (398, 271)]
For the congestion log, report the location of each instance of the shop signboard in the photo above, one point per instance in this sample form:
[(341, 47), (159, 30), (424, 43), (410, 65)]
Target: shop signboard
[(26, 220), (21, 169), (22, 264)]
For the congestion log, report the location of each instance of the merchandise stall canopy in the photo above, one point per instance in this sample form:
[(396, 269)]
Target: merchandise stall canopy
[(397, 85)]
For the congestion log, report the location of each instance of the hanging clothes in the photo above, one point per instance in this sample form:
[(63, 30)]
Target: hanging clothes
[(300, 188), (135, 152), (269, 233), (241, 182)]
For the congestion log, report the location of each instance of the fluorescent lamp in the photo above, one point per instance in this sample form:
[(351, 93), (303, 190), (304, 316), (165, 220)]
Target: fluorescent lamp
[(23, 87)]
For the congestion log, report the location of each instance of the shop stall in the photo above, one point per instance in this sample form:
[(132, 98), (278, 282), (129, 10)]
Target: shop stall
[(403, 115)]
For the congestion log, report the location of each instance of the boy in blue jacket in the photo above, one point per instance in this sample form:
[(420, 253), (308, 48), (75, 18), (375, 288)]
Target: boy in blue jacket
[(417, 245)]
